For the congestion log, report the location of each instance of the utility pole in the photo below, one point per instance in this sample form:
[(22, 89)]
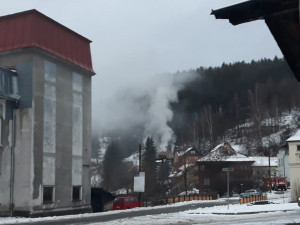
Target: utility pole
[(227, 170), (270, 171), (140, 169), (185, 174), (140, 157)]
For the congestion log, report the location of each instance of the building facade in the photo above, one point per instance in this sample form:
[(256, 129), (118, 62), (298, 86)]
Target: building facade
[(46, 148), (283, 165), (294, 165), (212, 177)]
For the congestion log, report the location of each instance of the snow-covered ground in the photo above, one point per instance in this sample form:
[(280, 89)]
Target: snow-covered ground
[(281, 212)]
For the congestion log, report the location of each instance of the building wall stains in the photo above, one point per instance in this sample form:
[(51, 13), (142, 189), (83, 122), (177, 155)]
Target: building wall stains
[(45, 127)]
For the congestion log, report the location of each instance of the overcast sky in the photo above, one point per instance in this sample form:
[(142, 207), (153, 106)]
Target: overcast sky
[(135, 41)]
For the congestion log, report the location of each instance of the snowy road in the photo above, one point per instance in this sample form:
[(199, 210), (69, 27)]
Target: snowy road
[(184, 213), (123, 214), (276, 218)]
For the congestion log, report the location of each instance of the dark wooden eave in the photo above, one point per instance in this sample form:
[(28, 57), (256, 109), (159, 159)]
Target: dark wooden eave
[(282, 18)]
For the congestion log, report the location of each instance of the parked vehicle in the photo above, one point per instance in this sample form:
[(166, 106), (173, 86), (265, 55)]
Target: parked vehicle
[(251, 192), (280, 183), (126, 203), (276, 183), (231, 194), (299, 202)]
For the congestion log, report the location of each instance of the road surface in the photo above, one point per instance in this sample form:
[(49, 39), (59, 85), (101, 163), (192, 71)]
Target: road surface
[(98, 218)]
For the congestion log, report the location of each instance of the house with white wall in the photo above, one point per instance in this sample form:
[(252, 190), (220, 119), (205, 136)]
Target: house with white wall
[(294, 165)]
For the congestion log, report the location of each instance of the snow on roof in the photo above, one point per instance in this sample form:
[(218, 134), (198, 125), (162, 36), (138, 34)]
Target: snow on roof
[(232, 158), (217, 147), (264, 161), (186, 166), (238, 158), (134, 158), (224, 152), (184, 152), (295, 137), (180, 170), (220, 153)]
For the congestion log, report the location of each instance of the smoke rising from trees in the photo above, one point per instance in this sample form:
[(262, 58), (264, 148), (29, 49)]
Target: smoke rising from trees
[(141, 104)]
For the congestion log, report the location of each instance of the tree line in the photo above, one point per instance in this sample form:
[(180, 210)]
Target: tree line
[(118, 174), (228, 96), (246, 98)]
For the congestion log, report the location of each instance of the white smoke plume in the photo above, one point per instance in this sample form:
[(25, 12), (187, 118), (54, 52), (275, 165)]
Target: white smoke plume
[(145, 104)]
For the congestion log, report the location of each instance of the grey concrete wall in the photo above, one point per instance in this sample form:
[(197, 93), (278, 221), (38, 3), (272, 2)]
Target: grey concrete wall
[(87, 134), (23, 148), (5, 167), (31, 171)]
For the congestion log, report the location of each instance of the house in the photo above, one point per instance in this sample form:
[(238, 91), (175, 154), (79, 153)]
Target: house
[(211, 176), (294, 165), (264, 166), (185, 178), (45, 117), (186, 156), (184, 175)]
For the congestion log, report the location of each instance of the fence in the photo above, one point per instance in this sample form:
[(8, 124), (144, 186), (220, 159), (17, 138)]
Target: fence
[(152, 201), (254, 198), (189, 198)]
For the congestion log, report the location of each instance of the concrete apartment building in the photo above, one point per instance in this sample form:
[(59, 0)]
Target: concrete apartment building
[(45, 118)]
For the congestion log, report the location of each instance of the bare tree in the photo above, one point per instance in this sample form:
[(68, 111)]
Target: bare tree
[(275, 114), (237, 115), (208, 114), (256, 111)]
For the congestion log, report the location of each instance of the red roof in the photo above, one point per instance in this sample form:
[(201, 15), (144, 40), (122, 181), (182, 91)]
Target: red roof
[(34, 29)]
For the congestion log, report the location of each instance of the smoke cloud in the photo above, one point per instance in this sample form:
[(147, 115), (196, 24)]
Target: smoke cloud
[(143, 104)]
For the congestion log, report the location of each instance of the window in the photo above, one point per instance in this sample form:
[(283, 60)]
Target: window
[(76, 193), (202, 167), (48, 194), (0, 158), (133, 200), (206, 181), (298, 147)]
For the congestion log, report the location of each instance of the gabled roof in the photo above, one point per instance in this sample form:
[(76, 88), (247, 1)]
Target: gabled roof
[(282, 18), (224, 152), (179, 172), (263, 161), (295, 137), (181, 153), (33, 29)]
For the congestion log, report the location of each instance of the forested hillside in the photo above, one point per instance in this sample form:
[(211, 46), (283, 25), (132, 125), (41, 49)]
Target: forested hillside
[(253, 106), (229, 96)]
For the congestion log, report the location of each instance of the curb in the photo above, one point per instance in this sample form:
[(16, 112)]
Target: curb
[(245, 213)]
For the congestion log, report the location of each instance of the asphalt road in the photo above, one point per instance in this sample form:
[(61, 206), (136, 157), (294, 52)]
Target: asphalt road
[(128, 214)]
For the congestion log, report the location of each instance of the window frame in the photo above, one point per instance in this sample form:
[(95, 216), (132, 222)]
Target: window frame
[(77, 197), (48, 200)]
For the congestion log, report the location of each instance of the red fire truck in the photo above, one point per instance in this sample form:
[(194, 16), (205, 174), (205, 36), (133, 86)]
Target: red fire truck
[(276, 183)]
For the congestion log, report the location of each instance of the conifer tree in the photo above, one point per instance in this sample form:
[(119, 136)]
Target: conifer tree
[(111, 164), (149, 166)]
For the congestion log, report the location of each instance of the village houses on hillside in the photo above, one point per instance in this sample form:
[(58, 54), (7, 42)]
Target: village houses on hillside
[(192, 171)]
